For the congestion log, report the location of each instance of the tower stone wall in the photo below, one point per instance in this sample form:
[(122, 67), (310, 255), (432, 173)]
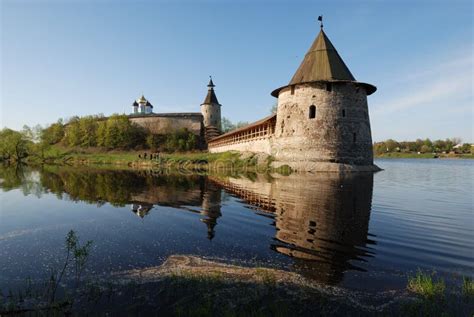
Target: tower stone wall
[(211, 113), (336, 130)]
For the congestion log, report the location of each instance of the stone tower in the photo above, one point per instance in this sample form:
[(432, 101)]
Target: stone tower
[(322, 117), (211, 110)]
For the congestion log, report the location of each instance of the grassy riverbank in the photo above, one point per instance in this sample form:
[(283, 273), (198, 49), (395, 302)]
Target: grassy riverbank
[(192, 161), (192, 286)]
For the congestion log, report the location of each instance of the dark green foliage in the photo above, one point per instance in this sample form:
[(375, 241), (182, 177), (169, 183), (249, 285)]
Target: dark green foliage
[(122, 133), (155, 141), (179, 141), (182, 140)]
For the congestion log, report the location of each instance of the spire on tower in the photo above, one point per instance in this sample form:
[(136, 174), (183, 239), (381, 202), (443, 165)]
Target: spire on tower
[(211, 84), (211, 95)]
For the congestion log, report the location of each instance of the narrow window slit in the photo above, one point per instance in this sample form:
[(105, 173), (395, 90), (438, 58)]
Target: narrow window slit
[(312, 111)]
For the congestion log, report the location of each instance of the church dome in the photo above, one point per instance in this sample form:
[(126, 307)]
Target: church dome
[(142, 99)]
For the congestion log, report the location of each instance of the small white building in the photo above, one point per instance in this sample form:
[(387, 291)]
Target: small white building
[(142, 106)]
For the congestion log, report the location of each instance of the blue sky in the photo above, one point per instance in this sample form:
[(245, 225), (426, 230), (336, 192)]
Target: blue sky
[(65, 58)]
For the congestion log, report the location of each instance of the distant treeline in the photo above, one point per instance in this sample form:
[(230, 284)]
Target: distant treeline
[(116, 132), (423, 146), (228, 125)]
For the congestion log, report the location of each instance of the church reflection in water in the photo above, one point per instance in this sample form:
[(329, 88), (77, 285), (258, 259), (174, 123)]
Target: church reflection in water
[(321, 220)]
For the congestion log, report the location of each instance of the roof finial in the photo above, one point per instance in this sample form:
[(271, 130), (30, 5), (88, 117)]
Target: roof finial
[(211, 84), (320, 19)]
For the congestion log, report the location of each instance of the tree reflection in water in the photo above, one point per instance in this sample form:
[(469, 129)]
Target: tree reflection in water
[(321, 220)]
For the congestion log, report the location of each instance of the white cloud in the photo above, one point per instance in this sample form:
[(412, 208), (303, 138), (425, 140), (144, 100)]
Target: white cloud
[(443, 81)]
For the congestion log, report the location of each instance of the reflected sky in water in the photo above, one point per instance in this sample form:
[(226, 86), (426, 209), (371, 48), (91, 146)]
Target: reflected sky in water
[(364, 231)]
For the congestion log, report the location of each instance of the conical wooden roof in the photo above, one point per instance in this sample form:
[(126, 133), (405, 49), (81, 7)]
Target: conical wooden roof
[(211, 95), (322, 62)]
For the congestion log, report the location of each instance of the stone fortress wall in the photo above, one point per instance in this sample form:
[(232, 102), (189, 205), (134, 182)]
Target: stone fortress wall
[(338, 130), (257, 137), (254, 146), (164, 123)]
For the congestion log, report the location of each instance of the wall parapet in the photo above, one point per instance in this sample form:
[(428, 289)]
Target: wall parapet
[(260, 130)]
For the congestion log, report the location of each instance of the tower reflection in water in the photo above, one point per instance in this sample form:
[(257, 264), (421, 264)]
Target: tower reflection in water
[(321, 220)]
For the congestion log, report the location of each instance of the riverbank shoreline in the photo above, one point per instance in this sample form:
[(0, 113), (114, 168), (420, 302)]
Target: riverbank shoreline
[(187, 285), (196, 161)]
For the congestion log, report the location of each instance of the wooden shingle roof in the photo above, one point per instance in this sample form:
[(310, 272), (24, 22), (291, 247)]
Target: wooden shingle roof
[(322, 63), (211, 95)]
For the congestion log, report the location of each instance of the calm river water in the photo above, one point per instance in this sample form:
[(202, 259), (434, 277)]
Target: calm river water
[(361, 232)]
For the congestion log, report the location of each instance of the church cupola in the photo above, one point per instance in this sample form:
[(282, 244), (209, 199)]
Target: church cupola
[(142, 106), (135, 107), (148, 107), (211, 109)]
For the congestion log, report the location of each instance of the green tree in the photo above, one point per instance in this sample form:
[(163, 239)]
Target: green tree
[(439, 146), (155, 141), (182, 140), (425, 149), (274, 108), (379, 147), (32, 134), (122, 133), (428, 144), (101, 133), (392, 145), (73, 132), (54, 133), (14, 145), (419, 144), (466, 148), (227, 125), (88, 131)]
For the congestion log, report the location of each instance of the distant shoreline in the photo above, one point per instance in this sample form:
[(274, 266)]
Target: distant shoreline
[(396, 155)]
